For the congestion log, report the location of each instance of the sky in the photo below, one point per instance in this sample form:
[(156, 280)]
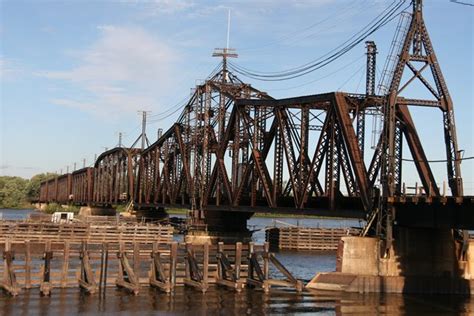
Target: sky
[(73, 74)]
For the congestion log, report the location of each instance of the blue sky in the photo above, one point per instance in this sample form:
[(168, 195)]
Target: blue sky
[(74, 73)]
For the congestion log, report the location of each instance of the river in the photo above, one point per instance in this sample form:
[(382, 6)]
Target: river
[(218, 301)]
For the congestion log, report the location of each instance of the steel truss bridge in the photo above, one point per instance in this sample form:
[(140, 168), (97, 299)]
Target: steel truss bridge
[(236, 149)]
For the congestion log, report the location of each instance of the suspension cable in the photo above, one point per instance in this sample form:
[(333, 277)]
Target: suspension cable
[(382, 19)]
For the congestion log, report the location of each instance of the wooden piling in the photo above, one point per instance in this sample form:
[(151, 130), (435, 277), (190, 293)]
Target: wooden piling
[(46, 286), (158, 278), (165, 262), (226, 274), (9, 283), (238, 259), (106, 264), (65, 268), (266, 248), (136, 259), (126, 276), (87, 278), (194, 276), (173, 263), (205, 264), (27, 264)]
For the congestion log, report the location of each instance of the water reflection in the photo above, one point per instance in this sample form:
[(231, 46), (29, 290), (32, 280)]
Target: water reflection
[(218, 301)]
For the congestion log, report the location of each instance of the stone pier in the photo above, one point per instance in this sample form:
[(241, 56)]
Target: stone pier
[(420, 261), (151, 215), (94, 210), (224, 226)]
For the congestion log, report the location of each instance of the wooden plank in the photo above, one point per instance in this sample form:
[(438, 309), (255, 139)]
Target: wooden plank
[(46, 286), (65, 268), (27, 264)]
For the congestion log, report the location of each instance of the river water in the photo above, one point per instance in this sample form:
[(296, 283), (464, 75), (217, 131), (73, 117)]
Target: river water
[(218, 301)]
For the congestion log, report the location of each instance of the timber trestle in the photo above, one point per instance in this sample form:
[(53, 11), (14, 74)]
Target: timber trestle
[(158, 278), (228, 275), (9, 283), (258, 276), (195, 276), (93, 267), (126, 276), (87, 278)]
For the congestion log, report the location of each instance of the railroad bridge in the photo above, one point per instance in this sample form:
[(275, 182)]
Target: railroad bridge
[(235, 150)]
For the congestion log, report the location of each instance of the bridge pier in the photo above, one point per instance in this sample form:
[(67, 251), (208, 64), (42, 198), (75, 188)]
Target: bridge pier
[(151, 214), (421, 260), (95, 210), (212, 227)]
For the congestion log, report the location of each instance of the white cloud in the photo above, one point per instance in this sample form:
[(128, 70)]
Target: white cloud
[(125, 69)]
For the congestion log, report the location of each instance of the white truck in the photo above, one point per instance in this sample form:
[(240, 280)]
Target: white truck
[(62, 217)]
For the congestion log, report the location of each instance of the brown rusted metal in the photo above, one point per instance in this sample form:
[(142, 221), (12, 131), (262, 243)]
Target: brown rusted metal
[(235, 148)]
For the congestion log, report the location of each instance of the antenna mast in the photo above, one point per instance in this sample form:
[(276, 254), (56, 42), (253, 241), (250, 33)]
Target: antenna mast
[(225, 52)]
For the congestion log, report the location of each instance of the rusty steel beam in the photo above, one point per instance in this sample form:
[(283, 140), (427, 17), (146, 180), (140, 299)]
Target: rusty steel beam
[(419, 156), (236, 148)]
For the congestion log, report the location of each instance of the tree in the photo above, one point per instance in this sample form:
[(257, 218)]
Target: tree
[(33, 187), (17, 192), (12, 191)]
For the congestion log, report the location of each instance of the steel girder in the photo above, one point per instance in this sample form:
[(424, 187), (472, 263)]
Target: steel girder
[(82, 186), (187, 165), (115, 172)]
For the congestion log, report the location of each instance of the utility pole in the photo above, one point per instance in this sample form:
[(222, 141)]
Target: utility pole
[(74, 166), (142, 136), (83, 162), (143, 129), (120, 139), (369, 91)]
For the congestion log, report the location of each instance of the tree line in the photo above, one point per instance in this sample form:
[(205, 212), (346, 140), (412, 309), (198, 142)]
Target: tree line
[(17, 192)]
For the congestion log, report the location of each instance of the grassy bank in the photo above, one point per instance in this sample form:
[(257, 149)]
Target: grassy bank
[(289, 215), (177, 211)]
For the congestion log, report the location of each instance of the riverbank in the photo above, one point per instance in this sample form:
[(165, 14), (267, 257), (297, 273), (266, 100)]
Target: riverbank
[(178, 211)]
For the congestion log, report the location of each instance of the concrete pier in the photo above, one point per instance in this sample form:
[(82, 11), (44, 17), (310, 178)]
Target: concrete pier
[(93, 210), (212, 227), (420, 261), (147, 215)]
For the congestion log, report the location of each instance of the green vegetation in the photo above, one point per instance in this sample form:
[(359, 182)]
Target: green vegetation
[(182, 211), (12, 192), (120, 208), (16, 192), (177, 211), (283, 215), (33, 187)]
